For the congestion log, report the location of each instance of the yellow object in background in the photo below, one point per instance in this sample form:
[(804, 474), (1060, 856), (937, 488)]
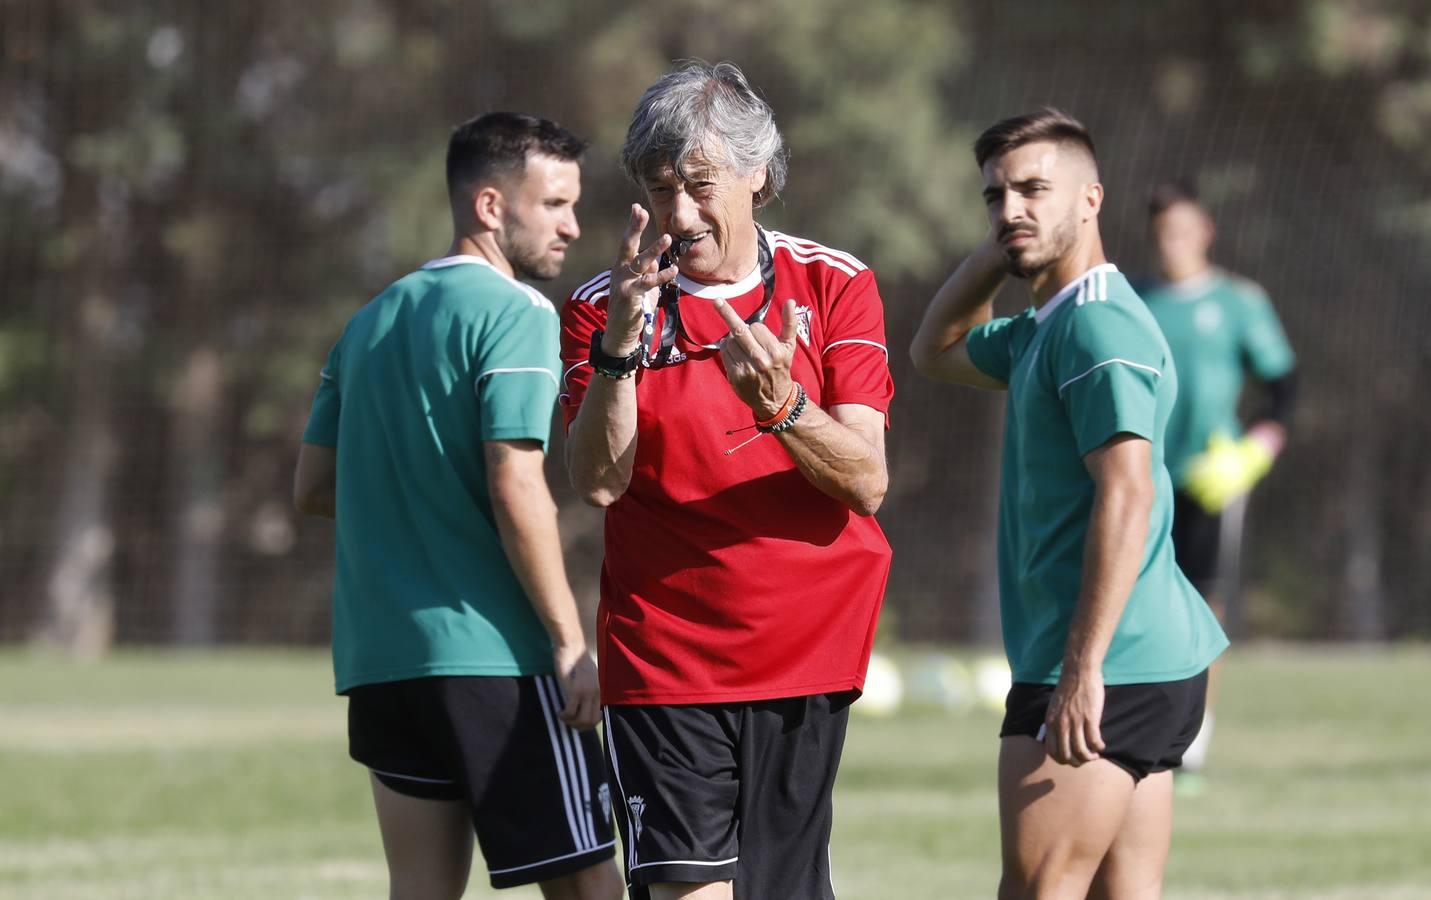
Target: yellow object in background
[(1226, 470)]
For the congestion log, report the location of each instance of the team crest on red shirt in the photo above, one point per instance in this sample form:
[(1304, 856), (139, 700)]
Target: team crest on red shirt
[(802, 324)]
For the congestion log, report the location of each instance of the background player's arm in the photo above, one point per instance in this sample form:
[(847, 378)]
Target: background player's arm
[(966, 300), (1269, 425), (527, 521), (1228, 469), (315, 480), (1117, 533)]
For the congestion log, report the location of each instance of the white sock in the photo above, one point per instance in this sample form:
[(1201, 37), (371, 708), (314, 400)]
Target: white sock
[(1195, 757)]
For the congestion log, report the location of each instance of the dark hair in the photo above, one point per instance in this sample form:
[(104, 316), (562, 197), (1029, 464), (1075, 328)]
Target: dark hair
[(1169, 194), (499, 143), (1046, 124)]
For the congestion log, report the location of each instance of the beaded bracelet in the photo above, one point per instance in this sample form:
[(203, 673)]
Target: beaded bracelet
[(785, 407), (790, 413)]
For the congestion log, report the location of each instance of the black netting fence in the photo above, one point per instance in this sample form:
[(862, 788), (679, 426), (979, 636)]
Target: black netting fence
[(193, 198)]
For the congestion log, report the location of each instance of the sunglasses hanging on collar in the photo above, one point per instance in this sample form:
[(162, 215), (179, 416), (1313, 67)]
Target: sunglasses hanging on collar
[(670, 301)]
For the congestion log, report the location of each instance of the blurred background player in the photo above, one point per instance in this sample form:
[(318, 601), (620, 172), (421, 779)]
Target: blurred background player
[(455, 633), (728, 412), (1219, 327), (1109, 643)]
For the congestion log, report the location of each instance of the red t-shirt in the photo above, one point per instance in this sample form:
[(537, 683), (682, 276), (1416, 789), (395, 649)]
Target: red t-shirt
[(733, 578)]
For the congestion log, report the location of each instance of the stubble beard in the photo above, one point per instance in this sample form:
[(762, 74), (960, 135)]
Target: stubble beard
[(1030, 261), (526, 254)]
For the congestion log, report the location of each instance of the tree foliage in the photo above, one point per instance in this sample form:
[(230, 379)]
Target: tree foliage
[(195, 197)]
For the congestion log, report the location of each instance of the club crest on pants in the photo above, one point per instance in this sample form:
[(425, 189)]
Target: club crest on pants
[(603, 794), (638, 806)]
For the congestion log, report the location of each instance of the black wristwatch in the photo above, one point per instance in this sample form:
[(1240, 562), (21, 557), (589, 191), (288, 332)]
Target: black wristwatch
[(617, 367)]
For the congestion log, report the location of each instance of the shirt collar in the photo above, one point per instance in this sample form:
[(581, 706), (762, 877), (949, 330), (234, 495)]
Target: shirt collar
[(1194, 287), (725, 291), (459, 260), (1067, 291)]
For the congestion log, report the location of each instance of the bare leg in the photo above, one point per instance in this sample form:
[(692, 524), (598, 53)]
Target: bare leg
[(428, 844), (599, 882), (711, 890), (1056, 821), (1133, 867)]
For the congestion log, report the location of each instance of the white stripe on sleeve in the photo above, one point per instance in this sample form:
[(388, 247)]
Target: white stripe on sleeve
[(1108, 362), (829, 347), (545, 371)]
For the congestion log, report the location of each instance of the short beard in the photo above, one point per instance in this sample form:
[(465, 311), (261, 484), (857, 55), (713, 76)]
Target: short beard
[(1060, 241), (534, 270), (527, 261)]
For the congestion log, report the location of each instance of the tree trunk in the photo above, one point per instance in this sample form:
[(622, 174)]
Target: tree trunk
[(79, 597), (197, 453)]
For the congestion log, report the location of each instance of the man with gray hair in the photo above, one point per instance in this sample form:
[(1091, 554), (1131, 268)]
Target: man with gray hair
[(725, 394)]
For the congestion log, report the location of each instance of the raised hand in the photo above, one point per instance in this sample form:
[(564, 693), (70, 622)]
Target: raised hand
[(635, 285), (757, 363)]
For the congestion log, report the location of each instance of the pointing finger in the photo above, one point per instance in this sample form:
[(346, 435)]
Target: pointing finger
[(732, 321), (740, 333)]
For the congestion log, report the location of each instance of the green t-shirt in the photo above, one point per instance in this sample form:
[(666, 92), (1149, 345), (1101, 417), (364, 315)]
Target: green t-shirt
[(448, 357), (1218, 326), (1088, 365)]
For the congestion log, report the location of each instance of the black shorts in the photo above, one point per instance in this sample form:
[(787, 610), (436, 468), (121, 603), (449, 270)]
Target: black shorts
[(1197, 537), (729, 791), (1146, 727), (536, 788)]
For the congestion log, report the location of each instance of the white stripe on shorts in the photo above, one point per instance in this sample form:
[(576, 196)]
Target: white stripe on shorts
[(576, 766), (620, 791), (586, 795), (552, 722), (411, 777), (543, 862), (689, 862)]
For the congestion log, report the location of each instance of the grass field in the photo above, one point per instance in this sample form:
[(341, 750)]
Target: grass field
[(225, 775)]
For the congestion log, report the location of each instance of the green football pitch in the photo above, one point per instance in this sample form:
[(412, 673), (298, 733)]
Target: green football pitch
[(225, 775)]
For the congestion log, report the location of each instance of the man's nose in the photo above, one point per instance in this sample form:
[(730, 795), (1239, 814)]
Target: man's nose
[(685, 216), (1011, 208)]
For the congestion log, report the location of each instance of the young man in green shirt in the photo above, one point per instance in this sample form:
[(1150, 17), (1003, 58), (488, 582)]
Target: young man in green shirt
[(456, 638), (1108, 642), (1220, 329)]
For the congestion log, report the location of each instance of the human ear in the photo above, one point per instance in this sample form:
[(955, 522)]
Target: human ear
[(1093, 199), (489, 207), (757, 180)]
